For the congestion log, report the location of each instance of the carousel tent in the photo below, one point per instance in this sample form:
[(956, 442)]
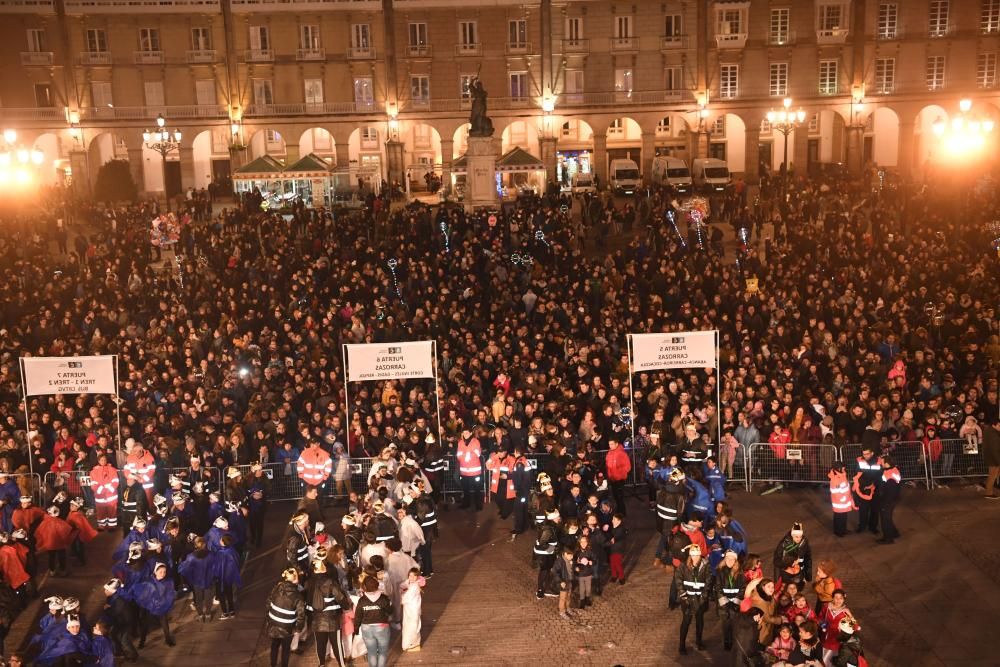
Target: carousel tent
[(515, 161), (263, 168), (310, 180)]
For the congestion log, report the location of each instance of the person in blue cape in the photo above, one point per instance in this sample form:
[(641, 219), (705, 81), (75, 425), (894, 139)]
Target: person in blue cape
[(199, 571), (215, 507), (10, 498), (182, 511), (214, 535), (227, 576), (732, 533), (137, 534), (155, 597), (120, 614), (102, 649), (700, 500), (68, 644), (715, 479), (158, 519), (52, 620), (236, 516)]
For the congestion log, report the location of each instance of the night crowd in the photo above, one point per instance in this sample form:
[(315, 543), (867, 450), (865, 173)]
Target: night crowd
[(874, 322)]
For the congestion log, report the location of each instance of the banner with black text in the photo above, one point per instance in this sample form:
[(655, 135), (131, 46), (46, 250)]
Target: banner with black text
[(390, 361), (681, 349), (69, 375)]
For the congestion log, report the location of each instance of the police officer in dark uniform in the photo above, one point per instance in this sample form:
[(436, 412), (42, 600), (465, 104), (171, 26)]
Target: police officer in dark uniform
[(866, 489), (692, 580), (521, 475)]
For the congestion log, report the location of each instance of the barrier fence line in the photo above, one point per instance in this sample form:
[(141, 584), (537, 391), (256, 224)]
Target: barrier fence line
[(958, 458), (33, 481), (793, 462), (77, 483)]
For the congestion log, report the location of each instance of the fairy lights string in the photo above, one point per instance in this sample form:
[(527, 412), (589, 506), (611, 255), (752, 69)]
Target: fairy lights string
[(395, 281), (673, 221), (540, 236), (444, 233)]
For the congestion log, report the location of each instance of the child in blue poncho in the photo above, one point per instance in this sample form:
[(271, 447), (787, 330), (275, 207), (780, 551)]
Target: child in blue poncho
[(198, 570), (155, 597), (227, 576)]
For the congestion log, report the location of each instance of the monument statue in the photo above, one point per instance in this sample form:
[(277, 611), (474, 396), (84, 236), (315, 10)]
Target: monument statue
[(482, 126)]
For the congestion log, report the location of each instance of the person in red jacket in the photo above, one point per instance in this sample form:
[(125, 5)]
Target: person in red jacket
[(27, 515), (104, 484), (840, 498), (617, 466), (11, 564), (55, 536), (84, 531)]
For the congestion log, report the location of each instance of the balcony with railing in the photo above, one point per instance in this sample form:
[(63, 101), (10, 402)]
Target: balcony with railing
[(27, 6), (361, 52), (576, 45), (314, 53), (734, 40), (781, 38), (258, 55), (95, 58), (148, 57), (148, 113), (309, 108), (418, 50), (831, 35), (620, 44), (89, 7), (468, 49), (36, 57), (256, 6), (33, 113), (668, 42), (201, 55), (518, 47)]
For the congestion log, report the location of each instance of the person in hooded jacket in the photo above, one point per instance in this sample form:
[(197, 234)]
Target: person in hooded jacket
[(325, 604), (155, 598), (213, 538), (84, 531), (692, 580), (227, 576), (68, 646), (137, 533), (236, 516), (727, 590), (12, 567), (286, 616), (670, 502), (298, 540), (198, 570), (794, 544)]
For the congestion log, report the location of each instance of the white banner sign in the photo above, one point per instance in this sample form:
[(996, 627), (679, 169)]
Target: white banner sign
[(69, 375), (685, 349), (390, 361)]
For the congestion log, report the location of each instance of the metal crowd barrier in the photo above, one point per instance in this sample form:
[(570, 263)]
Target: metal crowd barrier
[(959, 458), (801, 463), (77, 483)]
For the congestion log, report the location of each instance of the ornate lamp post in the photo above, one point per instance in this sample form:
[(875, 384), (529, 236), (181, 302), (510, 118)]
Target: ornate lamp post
[(785, 120), (18, 164), (164, 142)]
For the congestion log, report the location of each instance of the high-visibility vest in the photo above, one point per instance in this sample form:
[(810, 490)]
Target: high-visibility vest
[(314, 466), (470, 463), (500, 465), (104, 483), (840, 494), (142, 466)]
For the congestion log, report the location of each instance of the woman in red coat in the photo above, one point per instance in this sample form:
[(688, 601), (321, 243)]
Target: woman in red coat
[(84, 531), (55, 536)]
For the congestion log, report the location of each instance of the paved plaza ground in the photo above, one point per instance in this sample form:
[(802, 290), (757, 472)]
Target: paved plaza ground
[(931, 599)]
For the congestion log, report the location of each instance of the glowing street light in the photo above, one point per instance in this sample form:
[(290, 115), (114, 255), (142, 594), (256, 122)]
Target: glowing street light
[(164, 142), (785, 120), (966, 133)]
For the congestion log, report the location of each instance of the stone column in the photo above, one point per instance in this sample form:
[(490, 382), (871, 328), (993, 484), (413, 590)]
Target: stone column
[(395, 162), (548, 147), (800, 147), (135, 166), (855, 149), (342, 144), (447, 156), (80, 167), (904, 158), (188, 177), (600, 161), (648, 151), (291, 154), (752, 151)]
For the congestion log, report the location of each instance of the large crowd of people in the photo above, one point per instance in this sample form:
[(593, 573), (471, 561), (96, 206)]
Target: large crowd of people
[(873, 321)]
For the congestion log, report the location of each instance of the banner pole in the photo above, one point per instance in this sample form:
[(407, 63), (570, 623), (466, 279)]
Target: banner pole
[(718, 391), (118, 401), (437, 391), (27, 420), (347, 401), (631, 391)]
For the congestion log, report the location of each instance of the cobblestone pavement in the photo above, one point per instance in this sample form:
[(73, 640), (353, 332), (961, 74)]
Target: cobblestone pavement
[(930, 599)]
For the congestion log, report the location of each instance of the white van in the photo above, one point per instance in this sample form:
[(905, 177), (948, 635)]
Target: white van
[(672, 171), (711, 173), (583, 183), (625, 176)]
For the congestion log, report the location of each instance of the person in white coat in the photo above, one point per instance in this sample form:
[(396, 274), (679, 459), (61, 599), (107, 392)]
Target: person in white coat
[(412, 602), (397, 570), (410, 532)]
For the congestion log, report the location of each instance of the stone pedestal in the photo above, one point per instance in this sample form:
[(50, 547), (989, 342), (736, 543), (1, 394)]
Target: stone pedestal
[(855, 149), (395, 168), (548, 146), (481, 170)]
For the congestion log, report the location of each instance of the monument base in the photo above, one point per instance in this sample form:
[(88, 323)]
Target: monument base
[(480, 174)]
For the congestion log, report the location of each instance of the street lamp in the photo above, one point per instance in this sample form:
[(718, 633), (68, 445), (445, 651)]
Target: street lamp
[(967, 132), (785, 121), (164, 142), (18, 163)]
